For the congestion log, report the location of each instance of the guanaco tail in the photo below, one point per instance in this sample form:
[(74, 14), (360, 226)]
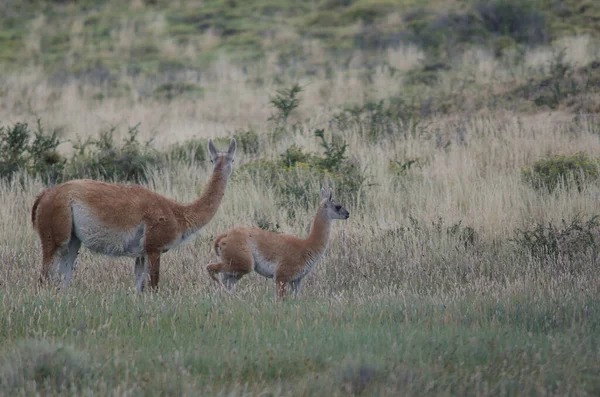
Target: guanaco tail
[(285, 258), (122, 220)]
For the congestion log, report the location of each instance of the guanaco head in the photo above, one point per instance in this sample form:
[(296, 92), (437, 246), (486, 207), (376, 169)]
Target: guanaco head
[(334, 209), (222, 161)]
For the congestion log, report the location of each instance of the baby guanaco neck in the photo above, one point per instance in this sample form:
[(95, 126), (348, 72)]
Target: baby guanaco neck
[(319, 233), (202, 210)]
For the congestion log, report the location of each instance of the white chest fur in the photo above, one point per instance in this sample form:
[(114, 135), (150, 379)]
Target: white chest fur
[(263, 266)]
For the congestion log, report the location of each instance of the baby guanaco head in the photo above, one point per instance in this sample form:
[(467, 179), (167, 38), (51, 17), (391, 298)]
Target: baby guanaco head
[(334, 209), (222, 160)]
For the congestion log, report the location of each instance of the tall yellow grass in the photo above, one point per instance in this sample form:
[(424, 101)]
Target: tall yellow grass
[(474, 180)]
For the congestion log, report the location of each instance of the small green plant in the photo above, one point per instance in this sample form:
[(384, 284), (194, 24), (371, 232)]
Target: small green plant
[(286, 101), (294, 155), (335, 152), (561, 171)]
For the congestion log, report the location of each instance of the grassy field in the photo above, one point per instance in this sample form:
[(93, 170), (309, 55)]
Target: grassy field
[(469, 264)]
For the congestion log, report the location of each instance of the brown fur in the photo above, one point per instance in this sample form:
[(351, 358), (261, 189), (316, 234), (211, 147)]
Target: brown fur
[(283, 257), (122, 220), (216, 244), (34, 207)]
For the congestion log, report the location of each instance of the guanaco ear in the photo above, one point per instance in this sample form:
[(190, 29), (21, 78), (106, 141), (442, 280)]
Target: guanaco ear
[(232, 146), (323, 193), (330, 195), (212, 149)]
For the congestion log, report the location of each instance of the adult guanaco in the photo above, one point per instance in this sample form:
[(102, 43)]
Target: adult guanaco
[(122, 220), (285, 258)]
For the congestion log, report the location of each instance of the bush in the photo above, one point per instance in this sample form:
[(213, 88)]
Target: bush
[(191, 151), (569, 240), (52, 367), (19, 152), (102, 158), (459, 235), (557, 171), (298, 176), (562, 85), (169, 91), (247, 141), (376, 120), (518, 19)]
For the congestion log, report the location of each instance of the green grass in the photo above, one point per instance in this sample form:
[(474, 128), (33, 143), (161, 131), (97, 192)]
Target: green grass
[(172, 343)]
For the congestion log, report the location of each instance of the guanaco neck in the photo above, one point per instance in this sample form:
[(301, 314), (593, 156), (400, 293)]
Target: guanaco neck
[(202, 210), (318, 237)]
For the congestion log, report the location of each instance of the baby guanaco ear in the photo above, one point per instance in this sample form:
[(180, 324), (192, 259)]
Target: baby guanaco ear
[(212, 149), (323, 193), (232, 146)]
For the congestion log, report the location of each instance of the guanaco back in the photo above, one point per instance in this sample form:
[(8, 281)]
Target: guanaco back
[(122, 220), (285, 258)]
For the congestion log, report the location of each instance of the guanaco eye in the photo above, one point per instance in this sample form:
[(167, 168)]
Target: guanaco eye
[(338, 207)]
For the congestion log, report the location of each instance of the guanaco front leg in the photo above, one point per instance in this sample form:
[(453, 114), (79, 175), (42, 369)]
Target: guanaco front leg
[(281, 279), (214, 269), (153, 269), (279, 289)]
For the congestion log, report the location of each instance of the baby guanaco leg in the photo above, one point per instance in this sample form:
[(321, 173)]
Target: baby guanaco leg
[(235, 263)]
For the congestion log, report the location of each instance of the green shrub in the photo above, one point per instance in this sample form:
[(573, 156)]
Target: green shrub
[(169, 91), (294, 155), (562, 85), (519, 19), (247, 141), (558, 171), (335, 152), (191, 151), (53, 368), (373, 119), (459, 235), (103, 159), (18, 152), (376, 120), (298, 176), (568, 240)]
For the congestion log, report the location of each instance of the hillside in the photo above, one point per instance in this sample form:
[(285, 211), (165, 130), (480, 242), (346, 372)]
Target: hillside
[(104, 37)]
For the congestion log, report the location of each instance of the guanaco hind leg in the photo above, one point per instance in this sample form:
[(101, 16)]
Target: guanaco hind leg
[(139, 274), (233, 266), (296, 286)]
